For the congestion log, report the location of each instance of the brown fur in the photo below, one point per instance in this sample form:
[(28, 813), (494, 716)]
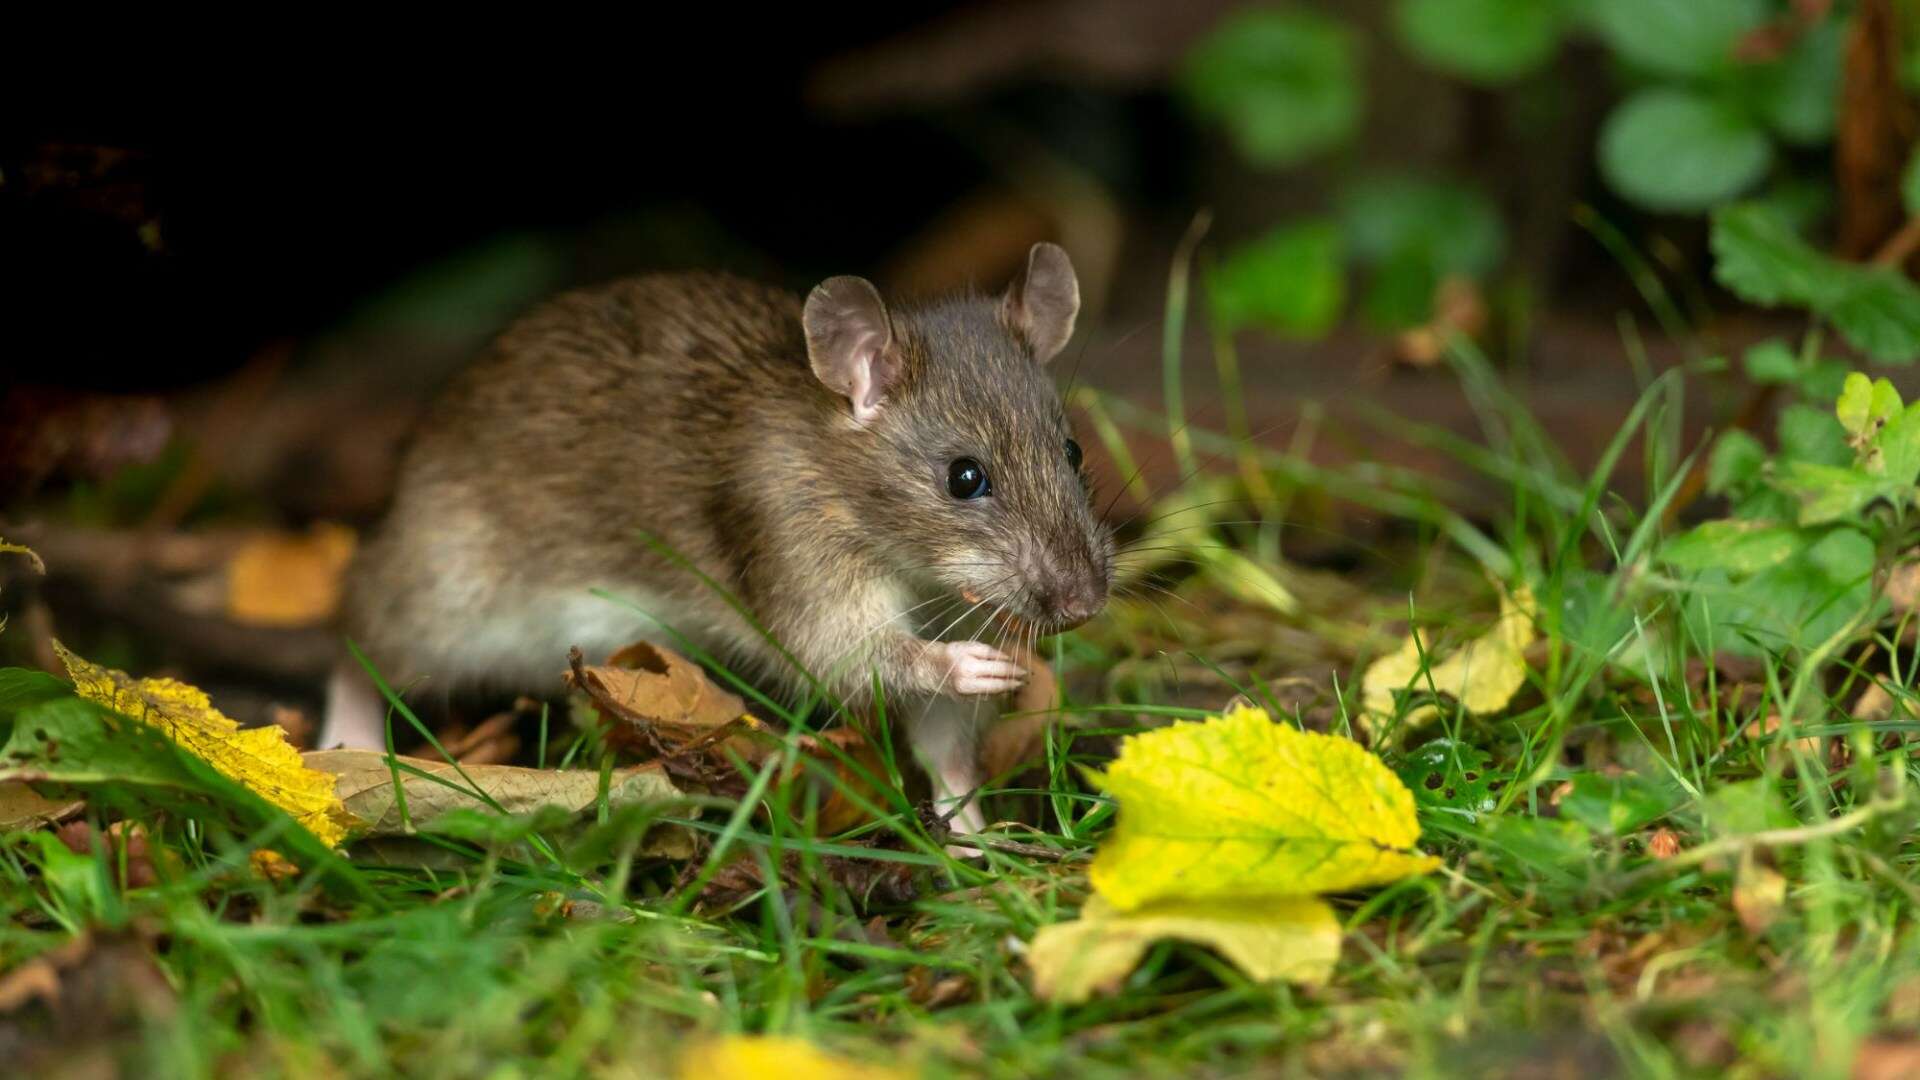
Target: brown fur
[(683, 408)]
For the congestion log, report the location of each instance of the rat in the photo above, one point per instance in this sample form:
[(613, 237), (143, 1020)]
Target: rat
[(881, 489)]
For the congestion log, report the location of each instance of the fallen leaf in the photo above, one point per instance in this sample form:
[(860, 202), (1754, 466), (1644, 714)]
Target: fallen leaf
[(1295, 938), (931, 991), (1483, 674), (258, 758), (21, 807), (490, 742), (1019, 738), (665, 700), (1759, 894), (662, 705), (272, 865), (1886, 1059), (1459, 309), (772, 1057), (1240, 806), (364, 783), (1903, 587), (289, 579), (40, 976), (1663, 844)]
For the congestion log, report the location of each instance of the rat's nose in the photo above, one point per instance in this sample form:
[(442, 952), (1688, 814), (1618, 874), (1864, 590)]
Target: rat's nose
[(1076, 604)]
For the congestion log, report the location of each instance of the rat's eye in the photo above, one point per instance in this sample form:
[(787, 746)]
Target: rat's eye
[(967, 479), (1073, 455)]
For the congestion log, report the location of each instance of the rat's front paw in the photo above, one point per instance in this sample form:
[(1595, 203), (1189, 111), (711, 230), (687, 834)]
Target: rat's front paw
[(974, 667)]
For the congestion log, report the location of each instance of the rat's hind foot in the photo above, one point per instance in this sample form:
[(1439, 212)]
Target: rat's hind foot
[(356, 713)]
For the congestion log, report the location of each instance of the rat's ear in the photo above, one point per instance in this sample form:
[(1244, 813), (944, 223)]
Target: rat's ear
[(1044, 300), (850, 343)]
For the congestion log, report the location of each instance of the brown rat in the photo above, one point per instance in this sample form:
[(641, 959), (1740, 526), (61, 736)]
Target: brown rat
[(877, 486)]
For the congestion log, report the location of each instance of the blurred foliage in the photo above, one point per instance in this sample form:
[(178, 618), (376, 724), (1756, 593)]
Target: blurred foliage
[(1709, 94), (1286, 84)]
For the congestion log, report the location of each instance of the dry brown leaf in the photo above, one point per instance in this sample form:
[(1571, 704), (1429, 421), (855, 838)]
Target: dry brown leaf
[(40, 976), (1663, 844), (1887, 1059), (1458, 309), (289, 579), (1019, 739), (660, 704), (490, 742), (364, 782), (23, 808)]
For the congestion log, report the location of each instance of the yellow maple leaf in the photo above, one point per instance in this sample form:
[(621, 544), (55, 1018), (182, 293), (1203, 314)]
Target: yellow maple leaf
[(259, 758), (1295, 938), (1483, 675), (772, 1057), (1240, 806)]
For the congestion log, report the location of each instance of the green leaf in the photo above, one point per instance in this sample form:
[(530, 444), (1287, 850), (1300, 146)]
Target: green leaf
[(1865, 405), (1738, 547), (1829, 492), (1455, 227), (1845, 556), (1800, 94), (1284, 83), (1487, 41), (1675, 37), (1749, 806), (1450, 777), (1292, 281), (21, 688), (1899, 446), (77, 743), (1400, 293), (1673, 150), (1556, 847), (1810, 434), (1615, 805), (1761, 260), (1737, 460), (1878, 312), (1772, 361)]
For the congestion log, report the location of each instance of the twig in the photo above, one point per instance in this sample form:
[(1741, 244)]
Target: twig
[(1900, 246)]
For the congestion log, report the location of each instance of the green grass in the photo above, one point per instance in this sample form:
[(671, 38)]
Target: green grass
[(1551, 940)]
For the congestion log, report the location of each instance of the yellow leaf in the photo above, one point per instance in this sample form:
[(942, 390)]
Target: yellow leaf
[(259, 758), (288, 579), (1295, 938), (1483, 675), (1240, 806), (772, 1057)]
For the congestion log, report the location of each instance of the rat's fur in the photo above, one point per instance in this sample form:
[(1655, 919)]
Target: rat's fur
[(683, 408)]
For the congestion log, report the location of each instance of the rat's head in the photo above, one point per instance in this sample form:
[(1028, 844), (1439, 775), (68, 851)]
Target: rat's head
[(962, 457)]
